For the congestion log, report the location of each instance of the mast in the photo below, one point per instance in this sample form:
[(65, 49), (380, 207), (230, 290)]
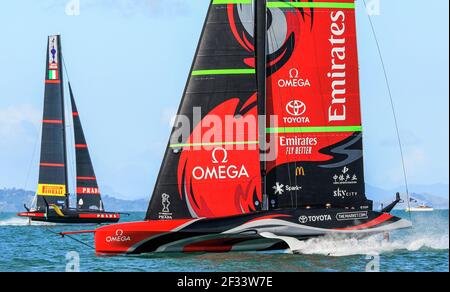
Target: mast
[(64, 123), (261, 60)]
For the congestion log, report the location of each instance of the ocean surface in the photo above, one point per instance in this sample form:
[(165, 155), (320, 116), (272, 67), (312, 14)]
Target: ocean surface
[(423, 248)]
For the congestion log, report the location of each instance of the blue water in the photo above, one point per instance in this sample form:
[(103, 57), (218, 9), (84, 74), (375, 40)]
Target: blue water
[(423, 248)]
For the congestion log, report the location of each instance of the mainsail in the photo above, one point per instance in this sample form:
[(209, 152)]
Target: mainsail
[(309, 100), (88, 194), (53, 182), (211, 166), (313, 89)]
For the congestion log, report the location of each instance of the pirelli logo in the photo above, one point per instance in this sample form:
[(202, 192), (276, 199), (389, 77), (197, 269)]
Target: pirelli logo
[(52, 190), (299, 171)]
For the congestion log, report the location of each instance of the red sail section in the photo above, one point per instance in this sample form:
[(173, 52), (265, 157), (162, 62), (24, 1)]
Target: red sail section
[(313, 90), (224, 178)]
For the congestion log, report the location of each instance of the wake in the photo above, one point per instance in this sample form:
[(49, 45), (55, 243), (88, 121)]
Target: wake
[(430, 232), (374, 245), (14, 222)]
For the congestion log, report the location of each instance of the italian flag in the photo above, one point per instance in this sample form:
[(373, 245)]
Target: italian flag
[(53, 74)]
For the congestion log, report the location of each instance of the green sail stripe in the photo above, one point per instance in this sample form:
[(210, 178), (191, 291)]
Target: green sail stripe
[(337, 5), (213, 144), (219, 2), (292, 130), (223, 72)]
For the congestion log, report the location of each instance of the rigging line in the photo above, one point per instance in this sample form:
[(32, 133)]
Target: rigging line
[(31, 162), (65, 68), (71, 237), (72, 129), (405, 176)]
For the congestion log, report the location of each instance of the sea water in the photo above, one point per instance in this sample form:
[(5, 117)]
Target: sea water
[(423, 248)]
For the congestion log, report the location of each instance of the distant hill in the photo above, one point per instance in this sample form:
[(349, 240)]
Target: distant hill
[(12, 200)]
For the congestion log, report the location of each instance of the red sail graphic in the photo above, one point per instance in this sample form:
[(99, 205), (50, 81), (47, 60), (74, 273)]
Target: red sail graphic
[(318, 87), (223, 179), (313, 89)]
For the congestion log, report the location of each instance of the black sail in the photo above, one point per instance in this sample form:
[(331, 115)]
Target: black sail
[(222, 82), (88, 194), (53, 183)]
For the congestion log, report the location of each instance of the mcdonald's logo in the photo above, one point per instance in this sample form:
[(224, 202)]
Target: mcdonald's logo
[(299, 171)]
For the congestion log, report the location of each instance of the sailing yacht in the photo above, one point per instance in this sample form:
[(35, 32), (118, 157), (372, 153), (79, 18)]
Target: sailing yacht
[(276, 150), (52, 201)]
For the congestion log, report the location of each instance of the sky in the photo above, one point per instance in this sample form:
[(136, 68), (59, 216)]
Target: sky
[(128, 62)]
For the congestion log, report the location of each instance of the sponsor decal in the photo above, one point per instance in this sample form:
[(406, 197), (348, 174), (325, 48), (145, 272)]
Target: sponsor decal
[(118, 237), (343, 194), (296, 109), (337, 111), (88, 191), (300, 171), (303, 219), (298, 145), (345, 177), (352, 216), (51, 190), (293, 188), (294, 81), (220, 170), (165, 213), (53, 52), (316, 218), (279, 188)]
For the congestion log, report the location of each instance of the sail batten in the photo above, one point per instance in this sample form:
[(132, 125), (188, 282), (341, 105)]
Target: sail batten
[(284, 4)]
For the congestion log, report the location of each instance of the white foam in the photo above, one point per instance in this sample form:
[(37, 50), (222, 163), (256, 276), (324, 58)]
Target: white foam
[(14, 222), (338, 247), (21, 222)]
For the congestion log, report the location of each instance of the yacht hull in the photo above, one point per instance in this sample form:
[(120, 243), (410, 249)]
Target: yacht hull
[(72, 217), (271, 230)]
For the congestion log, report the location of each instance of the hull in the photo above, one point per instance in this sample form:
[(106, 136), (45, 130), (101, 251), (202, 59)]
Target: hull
[(72, 217), (271, 230)]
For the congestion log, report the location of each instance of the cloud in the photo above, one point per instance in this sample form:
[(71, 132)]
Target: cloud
[(17, 123)]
